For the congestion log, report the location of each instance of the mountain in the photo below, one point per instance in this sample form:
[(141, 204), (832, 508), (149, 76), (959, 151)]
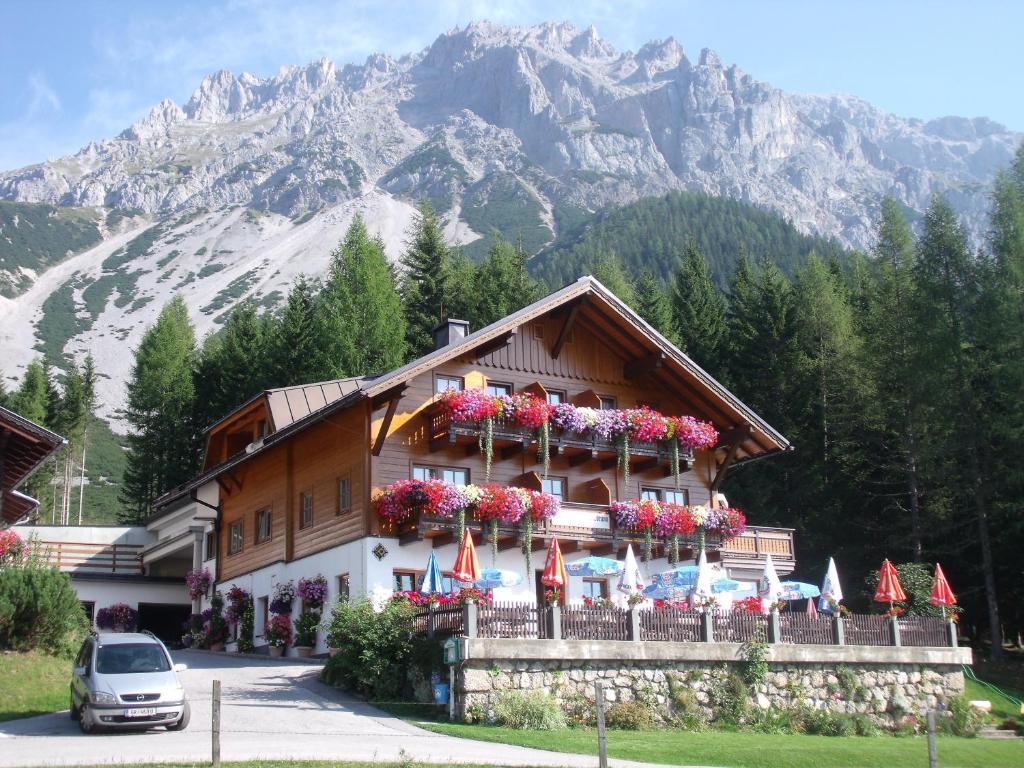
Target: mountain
[(526, 130)]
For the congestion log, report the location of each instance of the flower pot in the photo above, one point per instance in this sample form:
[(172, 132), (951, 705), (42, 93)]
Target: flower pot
[(332, 652), (218, 647), (303, 651), (276, 651), (119, 628)]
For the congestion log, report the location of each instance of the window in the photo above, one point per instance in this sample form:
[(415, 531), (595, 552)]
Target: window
[(89, 608), (595, 589), (131, 659), (211, 545), (235, 537), (262, 526), (607, 402), (455, 475), (405, 581), (264, 611), (556, 397), (305, 509), (496, 389), (650, 494), (676, 497), (344, 495), (343, 587), (442, 382), (556, 486)]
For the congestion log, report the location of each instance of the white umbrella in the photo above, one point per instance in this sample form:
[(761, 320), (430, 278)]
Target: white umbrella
[(702, 588), (831, 589), (769, 588), (631, 581)]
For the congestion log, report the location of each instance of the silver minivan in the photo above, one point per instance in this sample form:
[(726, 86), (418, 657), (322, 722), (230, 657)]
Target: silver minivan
[(127, 680)]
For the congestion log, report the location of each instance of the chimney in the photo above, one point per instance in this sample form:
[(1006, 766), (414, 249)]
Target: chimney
[(450, 332)]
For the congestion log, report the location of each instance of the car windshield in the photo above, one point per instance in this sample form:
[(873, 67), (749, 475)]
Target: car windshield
[(131, 658)]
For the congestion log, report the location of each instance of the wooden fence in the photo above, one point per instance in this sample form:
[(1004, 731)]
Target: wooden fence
[(520, 620), (595, 624), (924, 631), (866, 629), (670, 624), (806, 630)]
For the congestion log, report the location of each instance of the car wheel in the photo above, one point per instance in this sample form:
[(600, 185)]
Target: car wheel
[(182, 723), (74, 711), (86, 721)]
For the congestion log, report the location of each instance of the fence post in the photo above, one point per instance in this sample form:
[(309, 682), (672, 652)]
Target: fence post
[(933, 755), (894, 628), (707, 627), (954, 634), (774, 627), (469, 615), (633, 625), (215, 725), (554, 619), (430, 622), (838, 630), (602, 747)]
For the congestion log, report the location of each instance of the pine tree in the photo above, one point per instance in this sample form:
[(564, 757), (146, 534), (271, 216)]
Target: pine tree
[(699, 311), (653, 304), (294, 344), (425, 281), (502, 284), (31, 400), (608, 270), (162, 450)]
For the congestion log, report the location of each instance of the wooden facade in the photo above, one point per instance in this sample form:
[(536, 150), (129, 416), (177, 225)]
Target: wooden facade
[(310, 457)]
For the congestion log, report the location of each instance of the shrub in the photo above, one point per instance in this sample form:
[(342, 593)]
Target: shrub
[(963, 720), (580, 710), (728, 698), (374, 647), (278, 631), (865, 726), (305, 628), (530, 710), (687, 713), (39, 609), (754, 666), (770, 721), (629, 716), (822, 722), (246, 627)]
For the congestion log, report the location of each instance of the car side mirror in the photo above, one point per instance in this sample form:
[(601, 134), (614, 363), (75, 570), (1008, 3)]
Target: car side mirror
[(180, 667), (81, 671)]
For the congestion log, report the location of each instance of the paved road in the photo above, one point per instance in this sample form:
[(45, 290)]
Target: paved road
[(269, 710)]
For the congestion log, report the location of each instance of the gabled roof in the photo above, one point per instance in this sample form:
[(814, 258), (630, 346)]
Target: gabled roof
[(24, 446), (623, 331)]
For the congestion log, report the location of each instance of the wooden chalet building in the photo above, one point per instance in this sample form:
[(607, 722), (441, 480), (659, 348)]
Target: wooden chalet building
[(24, 447), (290, 473)]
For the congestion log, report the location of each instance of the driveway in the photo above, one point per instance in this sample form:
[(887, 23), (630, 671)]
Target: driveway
[(269, 710)]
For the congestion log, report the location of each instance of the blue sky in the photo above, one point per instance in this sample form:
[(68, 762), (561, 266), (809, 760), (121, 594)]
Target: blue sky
[(77, 71)]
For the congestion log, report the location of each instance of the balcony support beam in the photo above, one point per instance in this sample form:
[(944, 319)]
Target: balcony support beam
[(581, 458), (567, 324), (494, 345), (735, 437), (643, 365)]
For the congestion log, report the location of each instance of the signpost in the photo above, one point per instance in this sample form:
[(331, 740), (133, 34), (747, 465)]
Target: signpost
[(215, 712), (602, 748)]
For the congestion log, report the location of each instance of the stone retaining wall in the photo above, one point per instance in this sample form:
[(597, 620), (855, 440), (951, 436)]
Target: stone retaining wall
[(880, 682)]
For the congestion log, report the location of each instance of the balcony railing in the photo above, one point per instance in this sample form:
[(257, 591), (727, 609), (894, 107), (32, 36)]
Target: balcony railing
[(530, 621), (84, 557)]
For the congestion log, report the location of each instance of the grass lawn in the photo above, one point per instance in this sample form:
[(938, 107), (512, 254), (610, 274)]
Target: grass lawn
[(32, 683), (753, 750), (288, 764), (1002, 708)]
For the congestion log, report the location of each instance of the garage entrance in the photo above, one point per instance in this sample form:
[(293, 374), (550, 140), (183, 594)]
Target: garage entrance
[(165, 620)]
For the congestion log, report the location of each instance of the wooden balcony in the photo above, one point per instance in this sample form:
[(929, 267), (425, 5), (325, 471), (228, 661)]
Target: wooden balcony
[(82, 557), (591, 527), (510, 440)]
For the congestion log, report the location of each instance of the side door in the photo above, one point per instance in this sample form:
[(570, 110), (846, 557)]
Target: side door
[(83, 664)]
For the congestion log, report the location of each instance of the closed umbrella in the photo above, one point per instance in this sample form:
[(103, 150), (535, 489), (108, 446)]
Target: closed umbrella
[(432, 579), (554, 574), (631, 581), (889, 589), (798, 590), (702, 587), (769, 588), (594, 566), (831, 589), (467, 567), (811, 610), (941, 592), (492, 578)]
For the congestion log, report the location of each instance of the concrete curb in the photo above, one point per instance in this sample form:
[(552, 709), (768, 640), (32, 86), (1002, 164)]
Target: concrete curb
[(315, 662)]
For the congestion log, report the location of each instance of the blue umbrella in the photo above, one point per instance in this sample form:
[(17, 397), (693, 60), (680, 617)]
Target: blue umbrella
[(684, 576), (491, 578), (594, 566), (798, 590), (663, 592), (432, 580), (724, 585)]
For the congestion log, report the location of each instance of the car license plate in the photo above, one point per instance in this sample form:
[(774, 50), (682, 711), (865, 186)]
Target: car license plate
[(140, 712)]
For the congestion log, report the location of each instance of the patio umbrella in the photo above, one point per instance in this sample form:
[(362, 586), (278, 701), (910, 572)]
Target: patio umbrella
[(554, 574), (769, 588), (702, 587), (631, 580), (662, 592), (432, 579), (594, 566), (831, 590), (811, 610), (491, 578), (941, 593), (683, 576), (467, 567), (798, 590), (724, 585), (889, 589)]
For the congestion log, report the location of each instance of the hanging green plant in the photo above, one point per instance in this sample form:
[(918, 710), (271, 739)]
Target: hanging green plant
[(623, 447), (544, 446), (527, 539), (673, 457), (486, 443), (648, 544), (494, 540), (673, 557), (460, 516), (700, 538)]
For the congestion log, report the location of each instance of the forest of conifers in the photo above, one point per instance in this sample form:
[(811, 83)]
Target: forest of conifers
[(898, 374)]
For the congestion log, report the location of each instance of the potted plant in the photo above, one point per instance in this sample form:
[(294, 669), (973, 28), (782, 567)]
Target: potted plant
[(313, 592), (119, 617), (198, 583), (305, 633), (284, 595), (216, 628), (278, 633)]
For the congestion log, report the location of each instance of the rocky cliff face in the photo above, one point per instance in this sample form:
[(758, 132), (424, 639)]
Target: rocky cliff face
[(550, 111)]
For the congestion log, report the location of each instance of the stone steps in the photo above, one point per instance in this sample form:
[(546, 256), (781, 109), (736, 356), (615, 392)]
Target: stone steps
[(990, 732)]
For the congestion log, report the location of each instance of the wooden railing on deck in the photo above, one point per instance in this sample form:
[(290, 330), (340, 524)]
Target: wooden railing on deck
[(84, 557)]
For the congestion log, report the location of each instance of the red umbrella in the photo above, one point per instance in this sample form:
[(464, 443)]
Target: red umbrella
[(941, 593), (467, 567), (554, 566), (889, 589), (811, 609)]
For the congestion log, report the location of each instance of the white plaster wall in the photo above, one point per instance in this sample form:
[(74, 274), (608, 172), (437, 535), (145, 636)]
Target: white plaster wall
[(105, 593), (88, 534)]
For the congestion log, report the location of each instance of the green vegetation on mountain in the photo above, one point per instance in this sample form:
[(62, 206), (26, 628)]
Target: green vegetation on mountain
[(652, 233), (35, 236), (59, 321), (502, 204)]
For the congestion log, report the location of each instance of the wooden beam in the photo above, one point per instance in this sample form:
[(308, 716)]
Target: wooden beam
[(568, 546), (473, 448), (224, 485), (494, 344), (643, 366), (736, 435), (604, 550), (443, 538), (567, 324), (409, 537), (382, 433), (513, 450), (684, 467), (611, 461), (581, 458), (508, 542)]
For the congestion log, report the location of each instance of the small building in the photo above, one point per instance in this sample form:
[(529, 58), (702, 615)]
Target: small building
[(24, 446), (289, 477)]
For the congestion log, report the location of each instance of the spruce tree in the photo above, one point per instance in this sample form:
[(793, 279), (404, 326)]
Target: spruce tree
[(653, 304), (425, 281), (502, 284), (699, 311), (608, 270), (294, 344), (162, 449)]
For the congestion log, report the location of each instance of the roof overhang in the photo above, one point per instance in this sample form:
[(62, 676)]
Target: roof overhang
[(24, 446)]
